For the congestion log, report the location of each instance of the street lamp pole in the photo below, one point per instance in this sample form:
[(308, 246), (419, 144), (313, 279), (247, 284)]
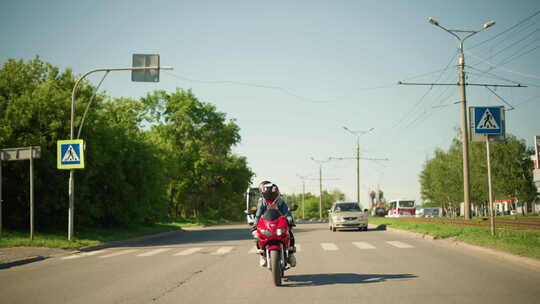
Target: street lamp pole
[(71, 211), (355, 133), (320, 162), (464, 132), (303, 178)]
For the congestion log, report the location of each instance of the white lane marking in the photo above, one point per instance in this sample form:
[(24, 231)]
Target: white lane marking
[(153, 252), (84, 254), (329, 246), (363, 245), (117, 253), (223, 250), (188, 251), (399, 244)]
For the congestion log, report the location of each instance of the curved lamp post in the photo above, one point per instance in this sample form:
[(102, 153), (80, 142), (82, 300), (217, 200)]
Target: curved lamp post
[(465, 135)]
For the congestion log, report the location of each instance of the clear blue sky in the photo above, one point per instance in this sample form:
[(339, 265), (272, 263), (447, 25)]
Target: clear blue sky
[(293, 73)]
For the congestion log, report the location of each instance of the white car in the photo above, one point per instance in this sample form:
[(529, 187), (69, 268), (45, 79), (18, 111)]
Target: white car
[(347, 215)]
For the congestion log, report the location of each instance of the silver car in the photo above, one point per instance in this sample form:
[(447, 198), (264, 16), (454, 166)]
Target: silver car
[(347, 215)]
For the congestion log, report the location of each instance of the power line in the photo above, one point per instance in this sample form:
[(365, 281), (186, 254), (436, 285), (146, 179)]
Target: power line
[(510, 58), (504, 69), (413, 108), (275, 88), (515, 44), (507, 30)]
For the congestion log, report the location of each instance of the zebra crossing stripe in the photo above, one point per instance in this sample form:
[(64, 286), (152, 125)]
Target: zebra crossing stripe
[(329, 246), (121, 252), (223, 250), (84, 254), (399, 244), (363, 245), (188, 251), (153, 252)]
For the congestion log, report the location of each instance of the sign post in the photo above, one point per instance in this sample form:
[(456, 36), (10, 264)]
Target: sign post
[(537, 150), (24, 153), (149, 65), (70, 155), (488, 124), (1, 158)]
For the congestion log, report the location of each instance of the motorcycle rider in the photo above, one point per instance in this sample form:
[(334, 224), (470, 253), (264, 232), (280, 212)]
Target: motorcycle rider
[(270, 198)]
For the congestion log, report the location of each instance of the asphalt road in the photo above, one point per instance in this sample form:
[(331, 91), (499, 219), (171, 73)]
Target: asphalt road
[(214, 265)]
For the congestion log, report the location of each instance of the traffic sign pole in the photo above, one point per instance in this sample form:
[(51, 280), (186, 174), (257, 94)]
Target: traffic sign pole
[(148, 68), (491, 220), (1, 157)]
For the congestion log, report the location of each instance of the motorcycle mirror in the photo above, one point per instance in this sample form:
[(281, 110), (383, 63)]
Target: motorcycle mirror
[(249, 212), (293, 208)]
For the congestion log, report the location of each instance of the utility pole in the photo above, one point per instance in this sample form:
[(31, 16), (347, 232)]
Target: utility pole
[(355, 133), (320, 162), (463, 84), (303, 178)]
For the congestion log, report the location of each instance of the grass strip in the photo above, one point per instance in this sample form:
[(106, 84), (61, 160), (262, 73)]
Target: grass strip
[(519, 242), (93, 236)]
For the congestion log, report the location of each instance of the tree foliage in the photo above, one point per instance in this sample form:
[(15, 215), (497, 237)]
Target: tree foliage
[(311, 203), (167, 154), (441, 179)]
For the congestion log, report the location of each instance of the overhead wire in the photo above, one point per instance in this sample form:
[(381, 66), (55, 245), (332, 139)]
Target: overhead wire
[(516, 44), (415, 106), (507, 30), (501, 68), (275, 88)]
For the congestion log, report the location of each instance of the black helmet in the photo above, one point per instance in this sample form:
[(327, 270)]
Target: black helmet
[(269, 191), (261, 186)]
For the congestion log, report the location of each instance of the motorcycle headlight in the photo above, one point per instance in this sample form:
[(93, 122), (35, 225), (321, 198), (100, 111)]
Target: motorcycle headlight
[(266, 232), (280, 231)]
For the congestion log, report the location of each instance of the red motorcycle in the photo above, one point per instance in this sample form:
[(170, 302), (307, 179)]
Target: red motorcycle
[(273, 241)]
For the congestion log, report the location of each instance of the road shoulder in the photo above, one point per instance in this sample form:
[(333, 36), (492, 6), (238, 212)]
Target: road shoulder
[(451, 242)]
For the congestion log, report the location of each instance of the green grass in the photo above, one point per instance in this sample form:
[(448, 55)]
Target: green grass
[(524, 243), (94, 236)]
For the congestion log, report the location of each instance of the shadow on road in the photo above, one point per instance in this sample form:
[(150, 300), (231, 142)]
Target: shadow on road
[(206, 235), (342, 278), (379, 228)]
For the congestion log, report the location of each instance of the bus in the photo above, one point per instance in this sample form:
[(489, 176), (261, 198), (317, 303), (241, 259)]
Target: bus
[(252, 198), (401, 208)]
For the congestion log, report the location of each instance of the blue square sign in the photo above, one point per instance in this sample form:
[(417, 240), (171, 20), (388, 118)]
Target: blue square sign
[(70, 154), (487, 120)]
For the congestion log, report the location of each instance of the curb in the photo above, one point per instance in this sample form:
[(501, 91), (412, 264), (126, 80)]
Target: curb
[(23, 261), (509, 257)]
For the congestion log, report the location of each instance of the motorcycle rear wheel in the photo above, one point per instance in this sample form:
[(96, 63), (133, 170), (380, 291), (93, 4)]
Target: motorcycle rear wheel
[(275, 261)]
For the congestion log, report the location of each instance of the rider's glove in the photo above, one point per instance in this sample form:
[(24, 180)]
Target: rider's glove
[(290, 221)]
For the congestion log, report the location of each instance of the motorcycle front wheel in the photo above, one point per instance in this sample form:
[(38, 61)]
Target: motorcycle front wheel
[(275, 262)]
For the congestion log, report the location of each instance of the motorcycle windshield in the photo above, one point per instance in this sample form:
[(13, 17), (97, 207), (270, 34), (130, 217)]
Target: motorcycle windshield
[(271, 215)]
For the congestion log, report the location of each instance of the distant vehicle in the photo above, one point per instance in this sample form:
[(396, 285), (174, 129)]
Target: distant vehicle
[(252, 198), (347, 215), (401, 208), (428, 212), (379, 211)]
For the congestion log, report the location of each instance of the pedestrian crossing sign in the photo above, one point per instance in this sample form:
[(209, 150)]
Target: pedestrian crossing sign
[(487, 120), (70, 154)]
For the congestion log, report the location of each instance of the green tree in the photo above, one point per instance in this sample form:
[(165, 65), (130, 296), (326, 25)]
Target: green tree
[(162, 154), (442, 181), (205, 177)]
